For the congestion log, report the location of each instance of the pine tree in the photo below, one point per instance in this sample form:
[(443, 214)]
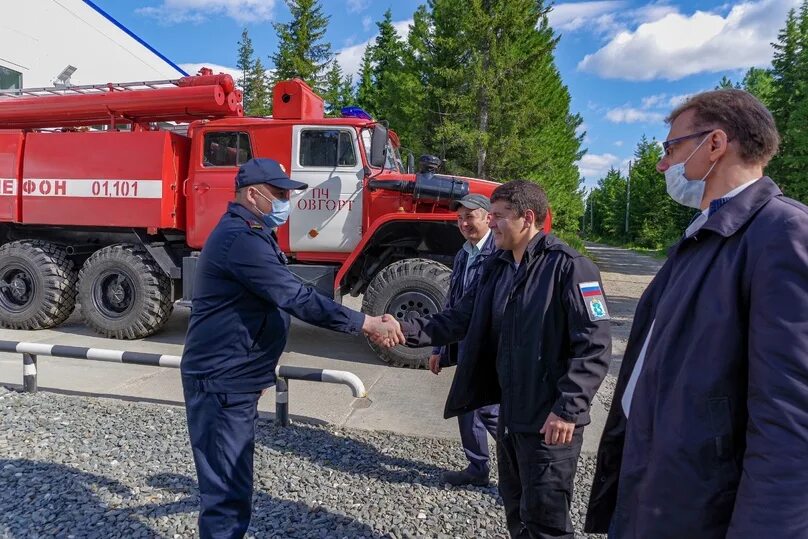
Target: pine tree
[(337, 92), (790, 105), (261, 98), (365, 91), (759, 83), (498, 106), (397, 90), (784, 67), (726, 83), (301, 49), (245, 66)]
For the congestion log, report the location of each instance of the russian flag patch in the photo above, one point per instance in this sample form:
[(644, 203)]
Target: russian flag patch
[(595, 302)]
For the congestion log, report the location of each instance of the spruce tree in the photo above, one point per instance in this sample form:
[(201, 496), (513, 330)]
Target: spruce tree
[(397, 90), (784, 67), (790, 105), (365, 91), (760, 84), (337, 92), (261, 96), (498, 106), (245, 66), (301, 49)]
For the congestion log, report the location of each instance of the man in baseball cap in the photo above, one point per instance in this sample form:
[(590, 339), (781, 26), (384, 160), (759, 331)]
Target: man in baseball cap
[(474, 425), (267, 171), (473, 201), (243, 297)]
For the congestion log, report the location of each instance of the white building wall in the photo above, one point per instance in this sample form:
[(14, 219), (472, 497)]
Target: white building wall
[(39, 38)]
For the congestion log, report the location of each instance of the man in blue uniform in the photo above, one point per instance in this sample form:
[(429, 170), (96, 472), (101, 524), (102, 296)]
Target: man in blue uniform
[(243, 296), (472, 220)]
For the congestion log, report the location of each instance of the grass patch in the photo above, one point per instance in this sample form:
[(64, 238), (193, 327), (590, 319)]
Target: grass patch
[(573, 240)]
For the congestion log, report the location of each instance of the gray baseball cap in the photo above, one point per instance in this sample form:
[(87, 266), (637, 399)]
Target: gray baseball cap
[(472, 202)]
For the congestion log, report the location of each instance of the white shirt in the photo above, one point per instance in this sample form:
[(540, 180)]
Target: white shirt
[(473, 251), (705, 214), (635, 374)]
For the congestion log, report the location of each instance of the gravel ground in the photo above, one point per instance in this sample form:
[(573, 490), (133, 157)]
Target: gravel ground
[(88, 467)]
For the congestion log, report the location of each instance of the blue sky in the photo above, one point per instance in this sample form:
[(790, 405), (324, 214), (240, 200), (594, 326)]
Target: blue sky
[(626, 62)]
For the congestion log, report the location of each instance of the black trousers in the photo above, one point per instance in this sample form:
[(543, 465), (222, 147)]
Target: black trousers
[(222, 431), (536, 483)]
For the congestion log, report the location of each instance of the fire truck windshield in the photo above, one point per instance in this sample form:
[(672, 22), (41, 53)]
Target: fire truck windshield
[(392, 156)]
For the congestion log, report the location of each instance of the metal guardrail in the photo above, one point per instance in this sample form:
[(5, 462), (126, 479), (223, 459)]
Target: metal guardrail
[(284, 373)]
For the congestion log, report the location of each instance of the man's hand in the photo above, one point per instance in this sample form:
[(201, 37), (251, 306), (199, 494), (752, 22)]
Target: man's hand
[(434, 363), (557, 431), (383, 330)]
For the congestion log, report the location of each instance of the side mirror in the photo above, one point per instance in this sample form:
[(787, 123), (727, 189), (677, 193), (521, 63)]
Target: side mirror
[(410, 163), (378, 146)]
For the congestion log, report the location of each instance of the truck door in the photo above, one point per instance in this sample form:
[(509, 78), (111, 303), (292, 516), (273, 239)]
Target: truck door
[(328, 216), (212, 183)]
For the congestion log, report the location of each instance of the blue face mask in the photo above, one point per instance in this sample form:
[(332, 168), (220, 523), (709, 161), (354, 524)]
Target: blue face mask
[(279, 214)]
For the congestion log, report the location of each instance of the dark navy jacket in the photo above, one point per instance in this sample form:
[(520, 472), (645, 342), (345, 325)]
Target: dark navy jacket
[(716, 444), (450, 353), (550, 355), (242, 294)]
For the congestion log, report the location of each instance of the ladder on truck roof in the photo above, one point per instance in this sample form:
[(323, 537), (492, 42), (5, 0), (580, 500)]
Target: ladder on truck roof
[(89, 88), (193, 97)]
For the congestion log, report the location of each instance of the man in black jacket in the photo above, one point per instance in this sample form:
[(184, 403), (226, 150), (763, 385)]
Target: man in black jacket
[(537, 321)]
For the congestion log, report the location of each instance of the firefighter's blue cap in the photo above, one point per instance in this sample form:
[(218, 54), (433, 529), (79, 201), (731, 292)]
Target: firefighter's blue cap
[(264, 170)]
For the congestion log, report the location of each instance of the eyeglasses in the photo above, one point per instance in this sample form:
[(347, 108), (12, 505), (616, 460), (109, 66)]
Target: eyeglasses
[(668, 143)]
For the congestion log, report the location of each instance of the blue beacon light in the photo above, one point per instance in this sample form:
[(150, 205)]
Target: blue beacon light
[(355, 112)]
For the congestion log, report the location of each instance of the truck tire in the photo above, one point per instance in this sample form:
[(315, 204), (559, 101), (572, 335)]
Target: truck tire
[(37, 285), (411, 285), (123, 293)]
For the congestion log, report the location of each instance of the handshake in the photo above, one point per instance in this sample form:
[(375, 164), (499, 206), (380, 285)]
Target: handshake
[(383, 330)]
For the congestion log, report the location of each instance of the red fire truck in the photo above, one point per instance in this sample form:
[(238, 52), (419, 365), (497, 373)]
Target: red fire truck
[(108, 192)]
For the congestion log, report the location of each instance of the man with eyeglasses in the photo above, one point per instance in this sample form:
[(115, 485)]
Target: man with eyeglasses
[(707, 435), (243, 296)]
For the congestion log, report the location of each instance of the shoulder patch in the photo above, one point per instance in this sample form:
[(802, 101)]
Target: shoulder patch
[(594, 300)]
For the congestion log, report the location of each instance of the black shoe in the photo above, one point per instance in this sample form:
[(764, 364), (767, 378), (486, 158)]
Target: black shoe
[(464, 477)]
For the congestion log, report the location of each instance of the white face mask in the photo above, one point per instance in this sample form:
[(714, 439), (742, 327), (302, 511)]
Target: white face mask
[(682, 190)]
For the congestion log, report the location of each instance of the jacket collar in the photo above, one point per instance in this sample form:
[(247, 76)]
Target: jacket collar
[(488, 246), (736, 211), (237, 209), (540, 242)]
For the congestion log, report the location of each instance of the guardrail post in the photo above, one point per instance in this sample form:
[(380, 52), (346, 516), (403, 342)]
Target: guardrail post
[(29, 373), (282, 401)]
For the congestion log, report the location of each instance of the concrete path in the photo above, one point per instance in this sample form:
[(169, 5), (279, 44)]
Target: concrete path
[(401, 400)]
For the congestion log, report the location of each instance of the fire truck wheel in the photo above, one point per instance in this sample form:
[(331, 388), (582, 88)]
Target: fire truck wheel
[(37, 285), (411, 285), (123, 293)]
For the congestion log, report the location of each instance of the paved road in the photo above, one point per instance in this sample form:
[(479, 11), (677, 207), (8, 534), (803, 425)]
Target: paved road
[(402, 400)]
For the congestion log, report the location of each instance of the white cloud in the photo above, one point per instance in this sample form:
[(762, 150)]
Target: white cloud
[(630, 115), (675, 45), (357, 6), (367, 22), (618, 143), (595, 166), (574, 15), (180, 11), (663, 101), (193, 69), (605, 17), (350, 58)]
